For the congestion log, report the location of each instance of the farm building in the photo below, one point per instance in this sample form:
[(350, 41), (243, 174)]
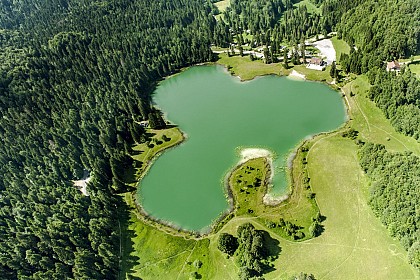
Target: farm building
[(316, 63), (393, 66)]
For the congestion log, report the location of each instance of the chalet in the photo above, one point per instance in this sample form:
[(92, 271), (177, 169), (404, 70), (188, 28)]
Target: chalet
[(316, 63), (393, 66)]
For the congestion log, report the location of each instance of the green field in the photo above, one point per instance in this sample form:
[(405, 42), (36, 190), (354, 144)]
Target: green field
[(415, 68), (313, 9), (353, 245), (340, 47), (222, 5), (371, 122)]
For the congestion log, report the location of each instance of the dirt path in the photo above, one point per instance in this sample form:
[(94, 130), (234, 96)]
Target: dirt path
[(186, 260)]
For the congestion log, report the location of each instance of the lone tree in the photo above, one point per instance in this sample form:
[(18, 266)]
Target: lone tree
[(315, 229), (227, 243), (285, 58), (333, 70)]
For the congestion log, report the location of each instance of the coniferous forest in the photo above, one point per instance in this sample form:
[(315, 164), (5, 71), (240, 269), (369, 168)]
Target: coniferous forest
[(76, 78)]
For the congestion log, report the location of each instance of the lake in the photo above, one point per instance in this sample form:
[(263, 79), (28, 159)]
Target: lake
[(220, 116)]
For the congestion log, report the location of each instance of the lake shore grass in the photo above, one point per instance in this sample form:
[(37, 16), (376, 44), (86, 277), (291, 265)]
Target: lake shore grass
[(145, 153), (246, 69), (249, 183)]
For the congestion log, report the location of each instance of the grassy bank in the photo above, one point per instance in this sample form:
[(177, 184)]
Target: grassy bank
[(247, 69), (144, 153), (314, 75)]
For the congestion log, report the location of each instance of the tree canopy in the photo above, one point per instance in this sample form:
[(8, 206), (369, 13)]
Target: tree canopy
[(394, 195), (75, 80)]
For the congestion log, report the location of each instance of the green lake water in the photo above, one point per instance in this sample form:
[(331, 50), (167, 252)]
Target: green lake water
[(220, 115)]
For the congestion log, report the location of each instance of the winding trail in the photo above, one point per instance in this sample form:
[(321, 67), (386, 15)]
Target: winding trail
[(360, 109)]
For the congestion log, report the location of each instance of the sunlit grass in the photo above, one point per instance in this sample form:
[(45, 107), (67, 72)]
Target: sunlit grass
[(247, 69)]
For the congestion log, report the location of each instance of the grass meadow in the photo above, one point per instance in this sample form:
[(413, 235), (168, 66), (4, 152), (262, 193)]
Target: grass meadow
[(415, 68), (221, 6), (340, 47)]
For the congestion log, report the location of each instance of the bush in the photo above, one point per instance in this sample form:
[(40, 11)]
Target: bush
[(197, 263)]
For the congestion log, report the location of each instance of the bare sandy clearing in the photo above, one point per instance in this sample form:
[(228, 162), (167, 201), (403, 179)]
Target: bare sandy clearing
[(327, 50), (81, 184)]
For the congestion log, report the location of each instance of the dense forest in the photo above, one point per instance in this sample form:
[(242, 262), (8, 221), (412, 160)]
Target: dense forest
[(380, 31), (75, 80), (395, 194), (272, 23)]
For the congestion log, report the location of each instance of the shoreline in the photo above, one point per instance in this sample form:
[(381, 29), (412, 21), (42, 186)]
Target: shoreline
[(254, 153), (246, 155)]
